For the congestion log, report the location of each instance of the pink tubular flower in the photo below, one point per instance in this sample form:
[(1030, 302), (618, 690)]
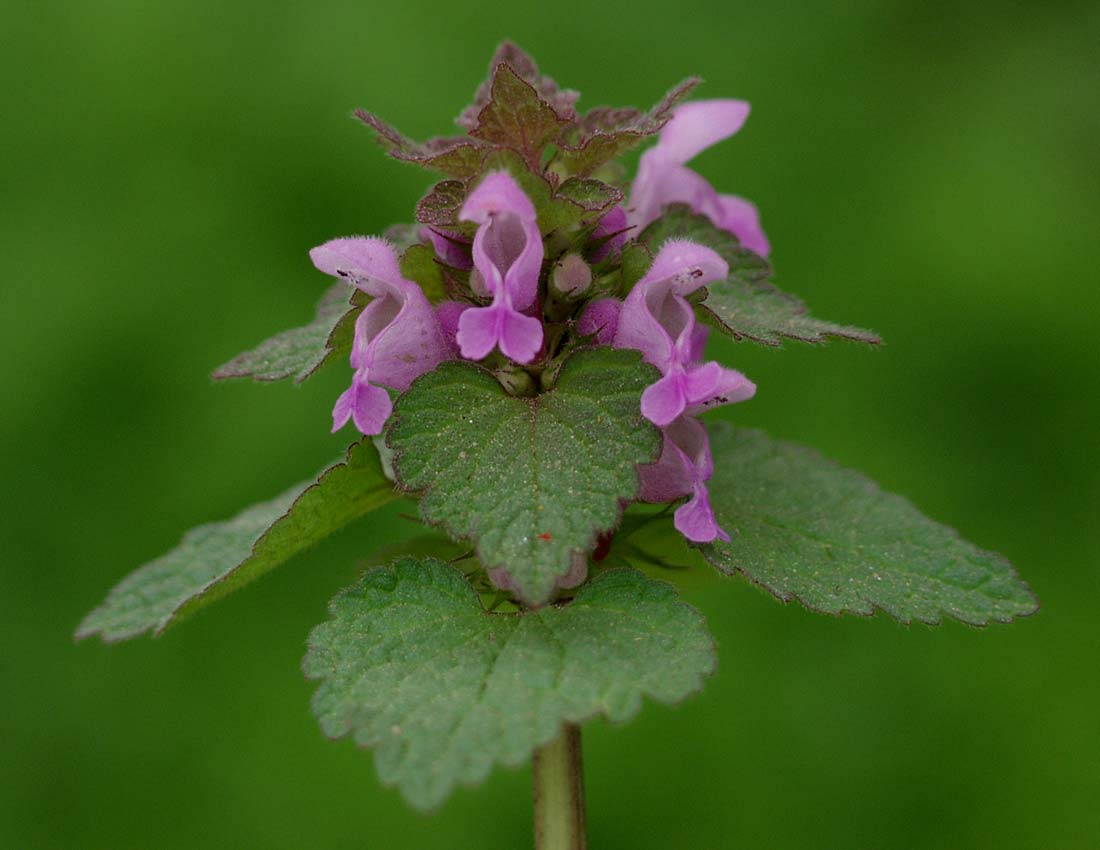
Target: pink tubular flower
[(397, 336), (664, 178), (507, 253), (600, 320), (448, 313), (684, 467), (611, 232), (451, 248), (657, 320)]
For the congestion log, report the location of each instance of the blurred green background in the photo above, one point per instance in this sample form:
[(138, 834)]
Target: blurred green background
[(923, 169)]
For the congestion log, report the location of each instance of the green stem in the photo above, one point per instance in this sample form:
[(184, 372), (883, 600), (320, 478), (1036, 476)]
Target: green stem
[(559, 793)]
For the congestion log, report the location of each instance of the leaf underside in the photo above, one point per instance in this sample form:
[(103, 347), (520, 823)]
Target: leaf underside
[(805, 528), (214, 560), (299, 352), (530, 480), (746, 305), (414, 667)]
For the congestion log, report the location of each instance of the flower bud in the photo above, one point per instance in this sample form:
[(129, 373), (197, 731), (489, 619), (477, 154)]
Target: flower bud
[(571, 276)]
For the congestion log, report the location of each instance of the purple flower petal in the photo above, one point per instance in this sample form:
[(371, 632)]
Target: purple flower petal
[(448, 314), (729, 387), (684, 467), (360, 256), (741, 218), (664, 179), (520, 337), (695, 519), (665, 400), (698, 125), (671, 477), (600, 320), (698, 343), (481, 329), (687, 265), (612, 229), (397, 336), (655, 317), (507, 248), (451, 248), (478, 332), (660, 183), (366, 405), (507, 253)]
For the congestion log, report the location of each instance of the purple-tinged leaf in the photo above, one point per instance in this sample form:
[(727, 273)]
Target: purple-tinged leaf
[(606, 133), (516, 117), (560, 100), (457, 157), (439, 208)]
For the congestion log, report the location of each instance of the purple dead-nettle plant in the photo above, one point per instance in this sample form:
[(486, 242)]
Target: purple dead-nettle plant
[(527, 363)]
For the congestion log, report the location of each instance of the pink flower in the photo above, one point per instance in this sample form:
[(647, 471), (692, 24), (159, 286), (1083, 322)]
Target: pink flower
[(657, 320), (684, 467), (611, 232), (664, 178), (507, 254), (451, 248), (600, 320), (398, 336)]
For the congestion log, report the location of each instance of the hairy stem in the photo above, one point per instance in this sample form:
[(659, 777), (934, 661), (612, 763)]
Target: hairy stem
[(559, 793)]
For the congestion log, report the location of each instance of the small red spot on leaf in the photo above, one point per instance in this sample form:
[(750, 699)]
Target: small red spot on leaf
[(544, 536)]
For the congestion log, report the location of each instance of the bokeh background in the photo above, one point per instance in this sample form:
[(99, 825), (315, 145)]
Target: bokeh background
[(923, 169)]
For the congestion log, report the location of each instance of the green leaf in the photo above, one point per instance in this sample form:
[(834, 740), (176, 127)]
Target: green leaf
[(419, 265), (430, 544), (456, 157), (516, 117), (530, 480), (746, 305), (414, 667), (299, 352), (592, 196), (635, 262), (606, 133), (214, 560), (807, 529)]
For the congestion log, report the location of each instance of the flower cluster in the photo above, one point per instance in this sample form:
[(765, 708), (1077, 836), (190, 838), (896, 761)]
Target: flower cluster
[(521, 294)]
